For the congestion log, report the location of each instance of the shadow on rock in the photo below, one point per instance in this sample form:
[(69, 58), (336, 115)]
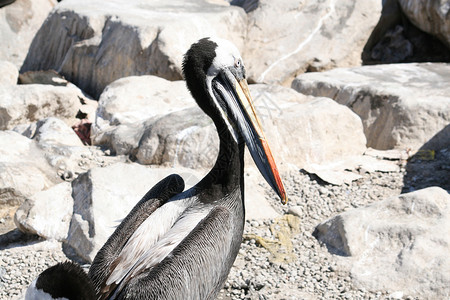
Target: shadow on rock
[(430, 166), (395, 39), (15, 236)]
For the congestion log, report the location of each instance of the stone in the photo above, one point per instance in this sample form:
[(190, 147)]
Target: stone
[(348, 169), (430, 16), (136, 98), (104, 196), (63, 148), (409, 31), (311, 36), (22, 104), (24, 170), (9, 72), (93, 43), (401, 106), (55, 132), (334, 176), (47, 213), (316, 131), (401, 243), (127, 103), (187, 138), (88, 106), (19, 22)]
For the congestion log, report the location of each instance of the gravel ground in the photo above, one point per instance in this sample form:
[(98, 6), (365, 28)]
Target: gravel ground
[(279, 259)]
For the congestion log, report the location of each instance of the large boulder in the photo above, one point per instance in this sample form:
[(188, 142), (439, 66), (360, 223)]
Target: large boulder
[(47, 213), (22, 104), (286, 38), (93, 43), (127, 103), (401, 106), (430, 16), (24, 170), (399, 244), (19, 22), (187, 137)]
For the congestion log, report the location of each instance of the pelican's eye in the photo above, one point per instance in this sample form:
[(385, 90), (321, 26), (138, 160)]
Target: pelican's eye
[(237, 63)]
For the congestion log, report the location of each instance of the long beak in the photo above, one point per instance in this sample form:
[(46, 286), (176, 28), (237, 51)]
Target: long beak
[(237, 96)]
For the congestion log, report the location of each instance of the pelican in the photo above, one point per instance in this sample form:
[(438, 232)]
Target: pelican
[(177, 244)]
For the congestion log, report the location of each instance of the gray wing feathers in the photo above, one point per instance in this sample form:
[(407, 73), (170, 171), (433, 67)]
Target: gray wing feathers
[(155, 197), (196, 266)]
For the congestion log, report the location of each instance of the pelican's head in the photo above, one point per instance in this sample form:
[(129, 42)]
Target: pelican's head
[(62, 281), (215, 75)]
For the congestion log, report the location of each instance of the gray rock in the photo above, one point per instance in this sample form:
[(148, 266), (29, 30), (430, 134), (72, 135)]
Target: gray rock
[(401, 106), (430, 16), (9, 72), (401, 243), (107, 41), (47, 213), (187, 138), (22, 104), (19, 22), (310, 36)]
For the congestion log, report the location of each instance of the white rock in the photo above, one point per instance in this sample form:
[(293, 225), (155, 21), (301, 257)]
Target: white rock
[(127, 103), (399, 244), (114, 39), (317, 131), (104, 196), (135, 99), (19, 22), (55, 132), (345, 170), (296, 211), (29, 103), (9, 72), (47, 213), (401, 105), (309, 36), (333, 175), (24, 170)]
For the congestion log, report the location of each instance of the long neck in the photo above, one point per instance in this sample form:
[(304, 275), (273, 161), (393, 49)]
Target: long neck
[(227, 173)]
